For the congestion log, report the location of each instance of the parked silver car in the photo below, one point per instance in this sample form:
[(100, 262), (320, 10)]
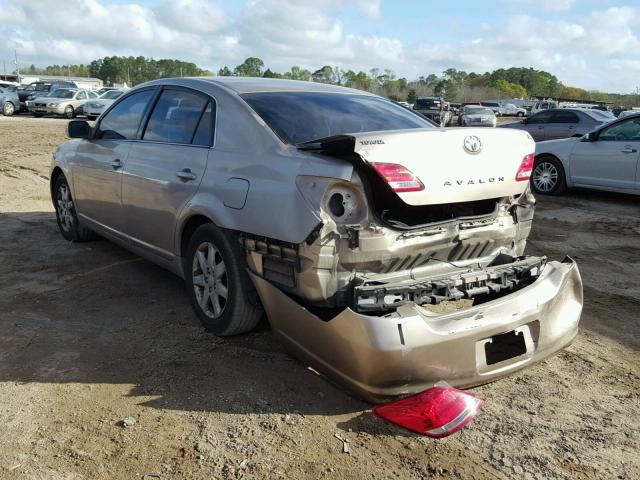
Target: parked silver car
[(605, 159), (478, 116), (67, 102), (9, 101), (559, 123), (346, 216), (95, 107)]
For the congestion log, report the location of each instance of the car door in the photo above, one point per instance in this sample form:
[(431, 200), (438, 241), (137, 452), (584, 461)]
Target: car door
[(562, 124), (611, 159), (79, 100), (164, 168), (97, 166), (536, 125)]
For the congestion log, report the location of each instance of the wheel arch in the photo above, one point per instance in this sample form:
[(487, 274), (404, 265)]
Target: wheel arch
[(55, 173), (188, 227)]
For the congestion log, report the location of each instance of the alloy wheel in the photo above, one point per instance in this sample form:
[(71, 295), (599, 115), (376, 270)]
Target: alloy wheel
[(65, 208), (210, 282), (545, 177), (8, 109)]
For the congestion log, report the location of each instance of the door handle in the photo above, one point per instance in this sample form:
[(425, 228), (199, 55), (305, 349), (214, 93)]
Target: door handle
[(186, 174), (629, 150), (116, 164), (572, 128)]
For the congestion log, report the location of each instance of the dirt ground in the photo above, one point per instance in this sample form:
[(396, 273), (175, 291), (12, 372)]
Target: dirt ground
[(91, 335)]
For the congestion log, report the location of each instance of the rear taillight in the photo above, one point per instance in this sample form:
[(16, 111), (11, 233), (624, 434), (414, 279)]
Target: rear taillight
[(436, 412), (398, 177), (526, 167)]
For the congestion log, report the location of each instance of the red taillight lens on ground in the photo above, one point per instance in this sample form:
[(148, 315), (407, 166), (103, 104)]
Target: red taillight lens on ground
[(398, 177), (526, 167), (436, 412)]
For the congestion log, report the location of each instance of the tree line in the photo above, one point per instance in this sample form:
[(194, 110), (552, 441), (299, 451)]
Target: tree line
[(452, 84)]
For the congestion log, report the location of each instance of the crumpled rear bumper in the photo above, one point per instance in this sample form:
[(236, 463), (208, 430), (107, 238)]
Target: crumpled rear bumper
[(381, 357)]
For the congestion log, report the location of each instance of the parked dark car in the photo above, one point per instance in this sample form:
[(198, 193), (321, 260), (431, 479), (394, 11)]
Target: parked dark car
[(558, 123), (40, 89)]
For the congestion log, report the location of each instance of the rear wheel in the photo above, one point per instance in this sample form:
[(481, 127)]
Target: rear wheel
[(69, 112), (8, 109), (548, 176), (520, 114), (218, 286), (70, 227)]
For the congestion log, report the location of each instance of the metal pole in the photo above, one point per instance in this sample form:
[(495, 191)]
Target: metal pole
[(15, 53)]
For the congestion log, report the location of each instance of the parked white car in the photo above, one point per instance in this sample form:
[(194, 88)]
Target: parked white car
[(94, 108), (510, 110)]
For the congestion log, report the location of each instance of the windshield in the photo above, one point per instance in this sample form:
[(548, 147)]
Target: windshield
[(298, 117), (62, 93), (478, 111), (427, 104), (111, 95)]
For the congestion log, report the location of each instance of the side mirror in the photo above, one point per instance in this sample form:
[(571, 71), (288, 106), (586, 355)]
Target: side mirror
[(78, 129), (588, 137)]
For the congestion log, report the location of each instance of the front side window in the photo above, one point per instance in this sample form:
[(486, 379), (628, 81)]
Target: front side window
[(81, 96), (122, 121), (175, 117), (298, 117), (627, 131), (542, 117)]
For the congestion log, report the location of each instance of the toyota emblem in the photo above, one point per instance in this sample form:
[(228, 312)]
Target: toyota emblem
[(472, 144)]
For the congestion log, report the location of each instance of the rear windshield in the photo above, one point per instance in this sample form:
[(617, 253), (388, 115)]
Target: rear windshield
[(478, 111), (298, 117), (427, 104)]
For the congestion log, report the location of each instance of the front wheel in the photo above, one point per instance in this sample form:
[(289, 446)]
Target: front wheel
[(68, 223), (548, 177), (8, 109), (218, 286), (69, 112), (520, 114)]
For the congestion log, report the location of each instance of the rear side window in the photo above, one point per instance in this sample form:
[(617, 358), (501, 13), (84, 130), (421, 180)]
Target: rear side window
[(542, 117), (565, 117), (204, 132), (122, 121), (175, 117), (298, 117)]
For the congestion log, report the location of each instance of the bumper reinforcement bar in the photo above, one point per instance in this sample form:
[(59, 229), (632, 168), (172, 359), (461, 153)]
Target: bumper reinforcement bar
[(372, 298)]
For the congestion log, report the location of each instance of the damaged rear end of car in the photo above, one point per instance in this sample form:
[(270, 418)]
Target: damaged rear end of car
[(416, 270)]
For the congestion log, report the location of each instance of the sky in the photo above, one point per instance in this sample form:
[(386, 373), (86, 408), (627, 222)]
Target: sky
[(592, 44)]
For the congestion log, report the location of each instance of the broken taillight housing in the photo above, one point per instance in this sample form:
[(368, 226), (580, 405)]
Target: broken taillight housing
[(399, 178), (526, 167), (436, 412)]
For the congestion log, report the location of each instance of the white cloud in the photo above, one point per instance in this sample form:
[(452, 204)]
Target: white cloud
[(596, 50)]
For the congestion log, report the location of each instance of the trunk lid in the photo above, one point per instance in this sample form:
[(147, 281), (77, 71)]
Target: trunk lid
[(455, 165)]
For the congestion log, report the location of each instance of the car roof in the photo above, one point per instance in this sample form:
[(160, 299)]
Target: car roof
[(242, 85)]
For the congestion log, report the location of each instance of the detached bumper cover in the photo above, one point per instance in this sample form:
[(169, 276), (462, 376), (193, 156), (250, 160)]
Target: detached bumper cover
[(381, 357)]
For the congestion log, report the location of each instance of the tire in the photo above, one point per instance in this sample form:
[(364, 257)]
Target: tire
[(548, 177), (8, 109), (91, 117), (519, 114), (69, 112), (68, 223), (214, 266), (37, 115)]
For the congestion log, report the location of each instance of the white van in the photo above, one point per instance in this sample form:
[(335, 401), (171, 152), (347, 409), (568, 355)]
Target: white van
[(545, 105)]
